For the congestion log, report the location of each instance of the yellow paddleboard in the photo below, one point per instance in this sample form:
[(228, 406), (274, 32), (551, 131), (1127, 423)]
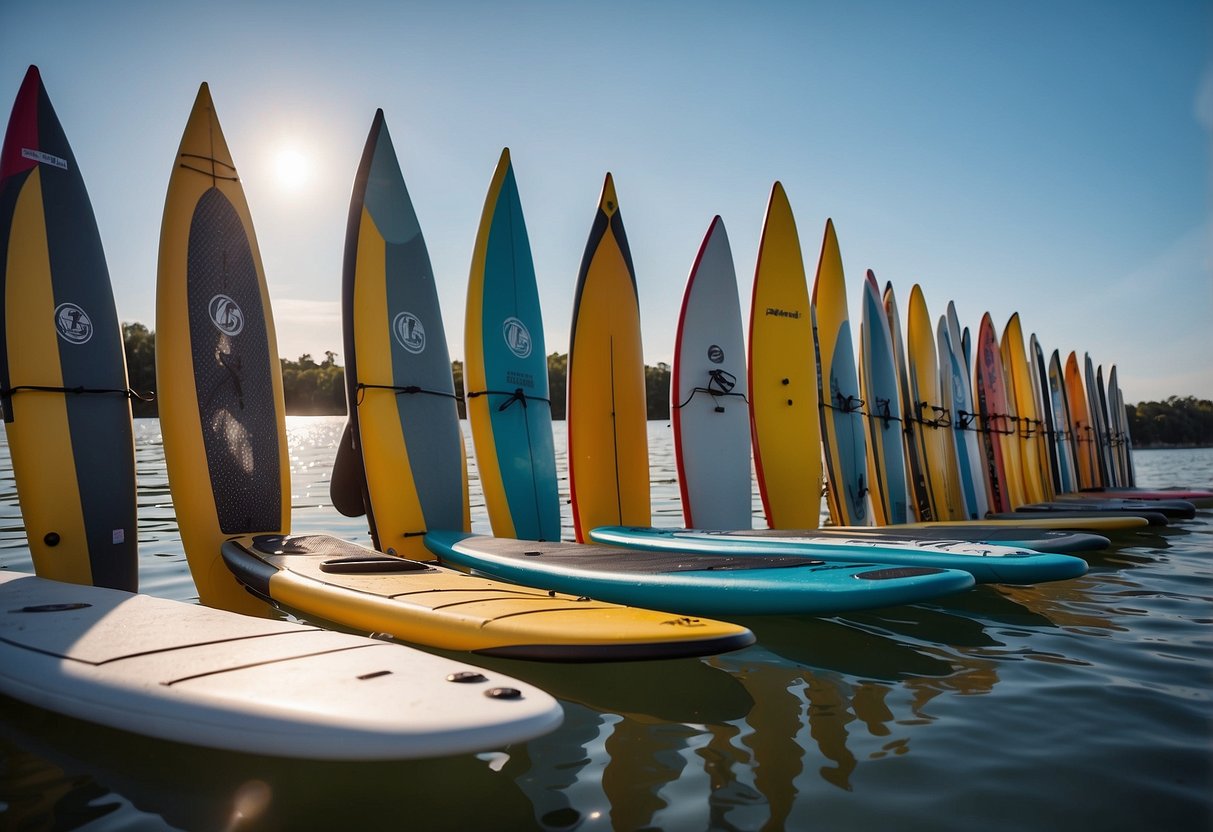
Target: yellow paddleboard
[(607, 430), (927, 417), (785, 423), (1028, 424), (217, 370)]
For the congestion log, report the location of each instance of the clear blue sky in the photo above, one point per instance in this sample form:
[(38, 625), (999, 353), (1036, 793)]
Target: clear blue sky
[(1041, 157)]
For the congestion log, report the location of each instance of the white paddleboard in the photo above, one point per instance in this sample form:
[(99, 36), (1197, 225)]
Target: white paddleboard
[(206, 677)]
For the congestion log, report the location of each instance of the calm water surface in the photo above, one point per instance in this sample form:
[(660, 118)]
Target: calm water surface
[(1080, 704)]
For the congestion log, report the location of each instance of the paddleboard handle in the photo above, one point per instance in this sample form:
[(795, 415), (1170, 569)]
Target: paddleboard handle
[(7, 392), (516, 395), (404, 390), (720, 383)]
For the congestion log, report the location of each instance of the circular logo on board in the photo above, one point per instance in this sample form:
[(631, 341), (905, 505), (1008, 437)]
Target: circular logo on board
[(409, 332), (715, 354), (226, 315), (72, 323), (517, 337)]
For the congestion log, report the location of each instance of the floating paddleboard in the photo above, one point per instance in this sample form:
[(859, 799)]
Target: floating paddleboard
[(210, 678), (990, 391), (985, 562), (1024, 537), (878, 382), (63, 385), (842, 421), (699, 584), (1084, 520), (1174, 509), (505, 371), (708, 409), (1198, 498), (217, 371), (784, 420), (606, 414), (957, 390), (398, 369)]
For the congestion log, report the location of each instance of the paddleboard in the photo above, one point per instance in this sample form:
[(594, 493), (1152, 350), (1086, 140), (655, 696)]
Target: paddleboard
[(1021, 536), (708, 409), (985, 562), (1038, 373), (1121, 422), (699, 584), (210, 678), (1095, 412), (878, 385), (1082, 432), (1063, 446), (957, 393), (1198, 498), (1027, 420), (606, 414), (1174, 509), (990, 390), (1105, 424), (841, 405), (784, 420), (915, 461), (928, 419), (505, 371), (1104, 521), (63, 384), (398, 369), (217, 371)]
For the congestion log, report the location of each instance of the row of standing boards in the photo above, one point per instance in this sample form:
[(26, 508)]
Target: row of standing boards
[(228, 674)]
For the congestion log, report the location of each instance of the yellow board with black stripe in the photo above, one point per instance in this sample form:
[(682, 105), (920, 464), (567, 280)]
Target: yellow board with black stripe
[(607, 415), (63, 387), (217, 371)]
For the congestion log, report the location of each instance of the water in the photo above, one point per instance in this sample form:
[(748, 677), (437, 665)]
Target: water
[(1084, 703)]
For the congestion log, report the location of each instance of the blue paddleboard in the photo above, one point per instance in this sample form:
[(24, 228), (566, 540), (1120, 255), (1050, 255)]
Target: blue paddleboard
[(987, 563), (697, 584)]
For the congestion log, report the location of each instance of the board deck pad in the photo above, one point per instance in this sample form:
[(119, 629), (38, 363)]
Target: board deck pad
[(224, 301)]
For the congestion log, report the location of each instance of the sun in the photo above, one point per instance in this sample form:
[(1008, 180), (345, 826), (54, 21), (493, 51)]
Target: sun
[(293, 168)]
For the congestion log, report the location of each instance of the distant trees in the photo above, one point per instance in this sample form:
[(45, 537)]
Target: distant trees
[(1187, 422), (317, 389)]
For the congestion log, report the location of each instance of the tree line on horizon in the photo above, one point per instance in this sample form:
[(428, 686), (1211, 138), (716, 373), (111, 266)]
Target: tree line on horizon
[(318, 389), (314, 388)]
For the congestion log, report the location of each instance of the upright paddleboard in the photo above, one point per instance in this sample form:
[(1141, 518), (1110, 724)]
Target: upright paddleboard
[(505, 371), (1038, 371), (1095, 412), (606, 414), (320, 576), (63, 384), (1105, 424), (708, 411), (1122, 421), (986, 562), (990, 390), (785, 424), (915, 460), (1081, 429), (841, 405), (1027, 419), (957, 393), (217, 372), (878, 385), (1063, 445), (929, 419), (700, 584), (398, 370), (210, 678)]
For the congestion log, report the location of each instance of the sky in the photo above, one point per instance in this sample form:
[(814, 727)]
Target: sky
[(1046, 158)]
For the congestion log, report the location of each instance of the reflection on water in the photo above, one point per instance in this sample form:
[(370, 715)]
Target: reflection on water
[(945, 715)]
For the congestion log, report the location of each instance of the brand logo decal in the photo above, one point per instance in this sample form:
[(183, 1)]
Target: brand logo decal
[(44, 158), (226, 315), (782, 313), (72, 323), (715, 354), (409, 332), (517, 337)]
